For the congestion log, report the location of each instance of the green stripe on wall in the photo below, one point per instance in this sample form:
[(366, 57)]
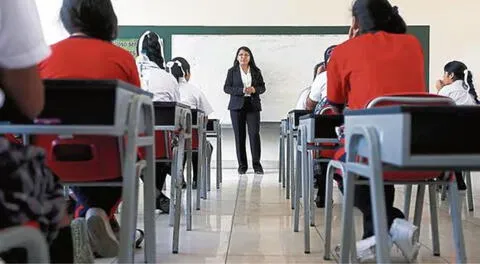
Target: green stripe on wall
[(128, 35)]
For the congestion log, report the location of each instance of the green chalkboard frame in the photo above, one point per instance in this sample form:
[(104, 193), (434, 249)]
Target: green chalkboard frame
[(166, 32)]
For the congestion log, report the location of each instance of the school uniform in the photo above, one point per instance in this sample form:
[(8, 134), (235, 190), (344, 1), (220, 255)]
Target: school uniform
[(458, 91), (319, 87), (157, 81), (83, 57), (363, 68), (192, 96), (164, 88), (302, 99)]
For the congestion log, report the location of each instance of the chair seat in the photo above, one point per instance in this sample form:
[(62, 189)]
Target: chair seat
[(81, 158)]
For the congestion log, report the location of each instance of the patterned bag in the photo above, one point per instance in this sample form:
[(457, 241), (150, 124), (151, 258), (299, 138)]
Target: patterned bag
[(29, 192)]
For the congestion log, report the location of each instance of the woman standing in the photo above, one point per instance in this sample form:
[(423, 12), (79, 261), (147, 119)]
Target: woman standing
[(244, 84)]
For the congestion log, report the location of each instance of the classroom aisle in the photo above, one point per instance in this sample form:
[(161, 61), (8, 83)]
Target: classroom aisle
[(249, 221)]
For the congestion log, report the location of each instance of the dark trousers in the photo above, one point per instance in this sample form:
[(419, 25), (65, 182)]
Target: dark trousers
[(240, 120), (362, 201), (107, 198)]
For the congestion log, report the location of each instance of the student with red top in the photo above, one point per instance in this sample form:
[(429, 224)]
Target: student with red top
[(90, 54), (378, 59)]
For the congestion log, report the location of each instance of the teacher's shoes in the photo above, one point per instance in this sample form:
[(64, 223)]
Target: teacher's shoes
[(258, 170), (242, 170)]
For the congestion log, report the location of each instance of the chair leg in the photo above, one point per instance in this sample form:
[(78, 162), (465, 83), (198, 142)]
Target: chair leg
[(280, 158), (468, 179), (311, 188), (208, 152), (306, 196), (173, 180), (189, 185), (286, 180), (347, 217), (461, 256), (434, 219), (295, 155), (219, 154), (417, 217), (298, 181), (328, 210), (406, 204), (377, 197), (178, 196)]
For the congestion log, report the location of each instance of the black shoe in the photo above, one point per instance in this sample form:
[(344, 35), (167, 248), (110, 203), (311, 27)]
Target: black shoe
[(259, 170), (184, 184), (194, 185), (242, 170), (163, 203)]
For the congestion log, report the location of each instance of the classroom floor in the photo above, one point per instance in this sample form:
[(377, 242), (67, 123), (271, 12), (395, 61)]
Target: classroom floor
[(249, 221)]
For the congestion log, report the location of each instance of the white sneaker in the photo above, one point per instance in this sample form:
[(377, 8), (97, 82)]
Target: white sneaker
[(366, 250), (405, 236), (101, 235)]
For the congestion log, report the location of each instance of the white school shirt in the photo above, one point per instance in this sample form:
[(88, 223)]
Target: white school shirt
[(22, 43), (157, 81), (319, 87), (302, 99), (192, 96), (458, 92), (246, 79)]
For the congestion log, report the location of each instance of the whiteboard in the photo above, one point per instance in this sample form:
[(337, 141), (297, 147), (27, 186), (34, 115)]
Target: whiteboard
[(286, 62)]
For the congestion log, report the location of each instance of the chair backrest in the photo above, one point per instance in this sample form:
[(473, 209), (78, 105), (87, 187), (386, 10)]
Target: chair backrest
[(410, 99), (81, 158), (163, 148), (328, 110)]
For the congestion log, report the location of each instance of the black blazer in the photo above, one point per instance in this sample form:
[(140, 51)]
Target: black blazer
[(234, 87)]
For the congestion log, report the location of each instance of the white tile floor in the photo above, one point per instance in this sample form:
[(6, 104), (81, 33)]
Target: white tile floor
[(249, 221)]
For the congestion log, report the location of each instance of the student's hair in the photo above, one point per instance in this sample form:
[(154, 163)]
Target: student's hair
[(315, 69), (461, 72), (178, 67), (328, 54), (149, 44), (378, 15), (94, 18), (252, 60)]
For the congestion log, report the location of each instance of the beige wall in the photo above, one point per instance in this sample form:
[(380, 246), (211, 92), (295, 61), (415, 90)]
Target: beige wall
[(454, 24)]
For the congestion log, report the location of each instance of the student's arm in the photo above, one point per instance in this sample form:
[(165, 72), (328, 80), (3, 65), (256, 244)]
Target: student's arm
[(229, 88), (310, 104), (25, 88), (22, 46)]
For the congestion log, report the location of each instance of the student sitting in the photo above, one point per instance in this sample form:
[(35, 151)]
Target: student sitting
[(164, 87), (380, 58), (457, 83), (302, 99), (90, 54), (192, 96), (29, 193)]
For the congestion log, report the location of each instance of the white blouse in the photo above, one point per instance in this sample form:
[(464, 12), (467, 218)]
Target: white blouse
[(246, 79), (458, 92)]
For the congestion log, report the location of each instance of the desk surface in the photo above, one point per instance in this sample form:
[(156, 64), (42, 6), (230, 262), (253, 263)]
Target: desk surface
[(93, 84), (399, 109)]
